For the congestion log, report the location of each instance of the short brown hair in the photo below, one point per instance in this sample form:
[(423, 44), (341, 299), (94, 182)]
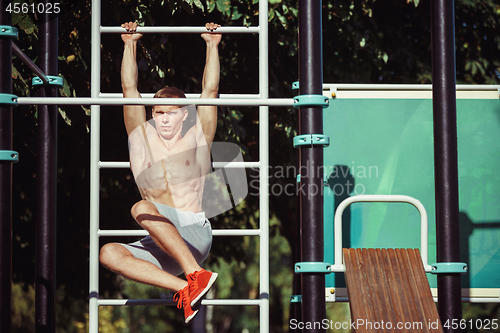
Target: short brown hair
[(169, 92)]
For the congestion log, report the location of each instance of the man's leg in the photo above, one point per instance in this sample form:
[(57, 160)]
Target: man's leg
[(118, 259), (165, 234)]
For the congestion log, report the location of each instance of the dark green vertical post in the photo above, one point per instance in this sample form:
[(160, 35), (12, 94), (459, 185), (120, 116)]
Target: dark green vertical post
[(46, 180), (446, 157), (5, 176), (311, 159)]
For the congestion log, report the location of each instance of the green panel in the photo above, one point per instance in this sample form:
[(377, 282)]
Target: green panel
[(385, 146)]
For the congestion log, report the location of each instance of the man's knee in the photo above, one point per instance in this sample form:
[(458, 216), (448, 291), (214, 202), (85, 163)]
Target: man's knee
[(143, 207), (112, 254)]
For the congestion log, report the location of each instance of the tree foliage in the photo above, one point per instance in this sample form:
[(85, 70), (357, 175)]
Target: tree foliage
[(364, 41)]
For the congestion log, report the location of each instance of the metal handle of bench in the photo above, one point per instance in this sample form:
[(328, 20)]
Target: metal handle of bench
[(339, 266)]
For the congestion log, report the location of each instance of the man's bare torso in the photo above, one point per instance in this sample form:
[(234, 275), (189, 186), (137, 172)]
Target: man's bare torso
[(172, 174)]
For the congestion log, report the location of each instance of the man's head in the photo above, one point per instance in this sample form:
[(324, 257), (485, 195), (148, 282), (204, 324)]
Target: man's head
[(169, 118)]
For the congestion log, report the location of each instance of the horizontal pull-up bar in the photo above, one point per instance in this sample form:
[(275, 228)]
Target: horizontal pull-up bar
[(127, 302), (235, 165), (188, 95), (215, 232), (154, 101), (182, 30)]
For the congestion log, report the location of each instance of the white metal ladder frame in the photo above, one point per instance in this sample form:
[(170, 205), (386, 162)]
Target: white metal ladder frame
[(263, 164)]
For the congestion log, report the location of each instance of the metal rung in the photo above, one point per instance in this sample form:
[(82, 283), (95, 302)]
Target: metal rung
[(182, 30), (188, 95), (114, 165), (236, 232), (154, 101), (238, 165), (126, 165), (125, 302), (216, 232)]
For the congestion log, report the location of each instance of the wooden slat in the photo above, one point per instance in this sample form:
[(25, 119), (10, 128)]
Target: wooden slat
[(388, 291), (389, 304), (425, 295), (400, 310), (413, 292)]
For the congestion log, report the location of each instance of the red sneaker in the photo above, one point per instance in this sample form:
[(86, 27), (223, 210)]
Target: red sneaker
[(199, 284), (183, 300)]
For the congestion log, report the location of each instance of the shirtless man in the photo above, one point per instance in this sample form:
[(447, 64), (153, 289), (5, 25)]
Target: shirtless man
[(169, 168)]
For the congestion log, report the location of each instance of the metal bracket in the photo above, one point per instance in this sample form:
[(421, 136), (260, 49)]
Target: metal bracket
[(310, 101), (8, 99), (312, 267), (311, 140), (295, 85), (8, 31), (449, 268), (296, 298), (325, 179), (53, 81), (9, 155)]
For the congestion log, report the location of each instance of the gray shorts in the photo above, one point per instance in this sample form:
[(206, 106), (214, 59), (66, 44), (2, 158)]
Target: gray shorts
[(194, 228)]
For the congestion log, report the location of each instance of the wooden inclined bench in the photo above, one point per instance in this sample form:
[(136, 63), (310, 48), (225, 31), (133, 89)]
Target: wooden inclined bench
[(389, 292)]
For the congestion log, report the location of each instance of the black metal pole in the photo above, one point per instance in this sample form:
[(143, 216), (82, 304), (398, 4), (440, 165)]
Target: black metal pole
[(5, 177), (46, 180), (296, 307), (27, 61), (311, 159), (446, 157)]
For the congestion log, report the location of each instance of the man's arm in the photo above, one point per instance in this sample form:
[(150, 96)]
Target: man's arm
[(133, 115), (210, 83)]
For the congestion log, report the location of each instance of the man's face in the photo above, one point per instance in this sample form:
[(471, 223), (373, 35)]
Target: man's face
[(169, 119)]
